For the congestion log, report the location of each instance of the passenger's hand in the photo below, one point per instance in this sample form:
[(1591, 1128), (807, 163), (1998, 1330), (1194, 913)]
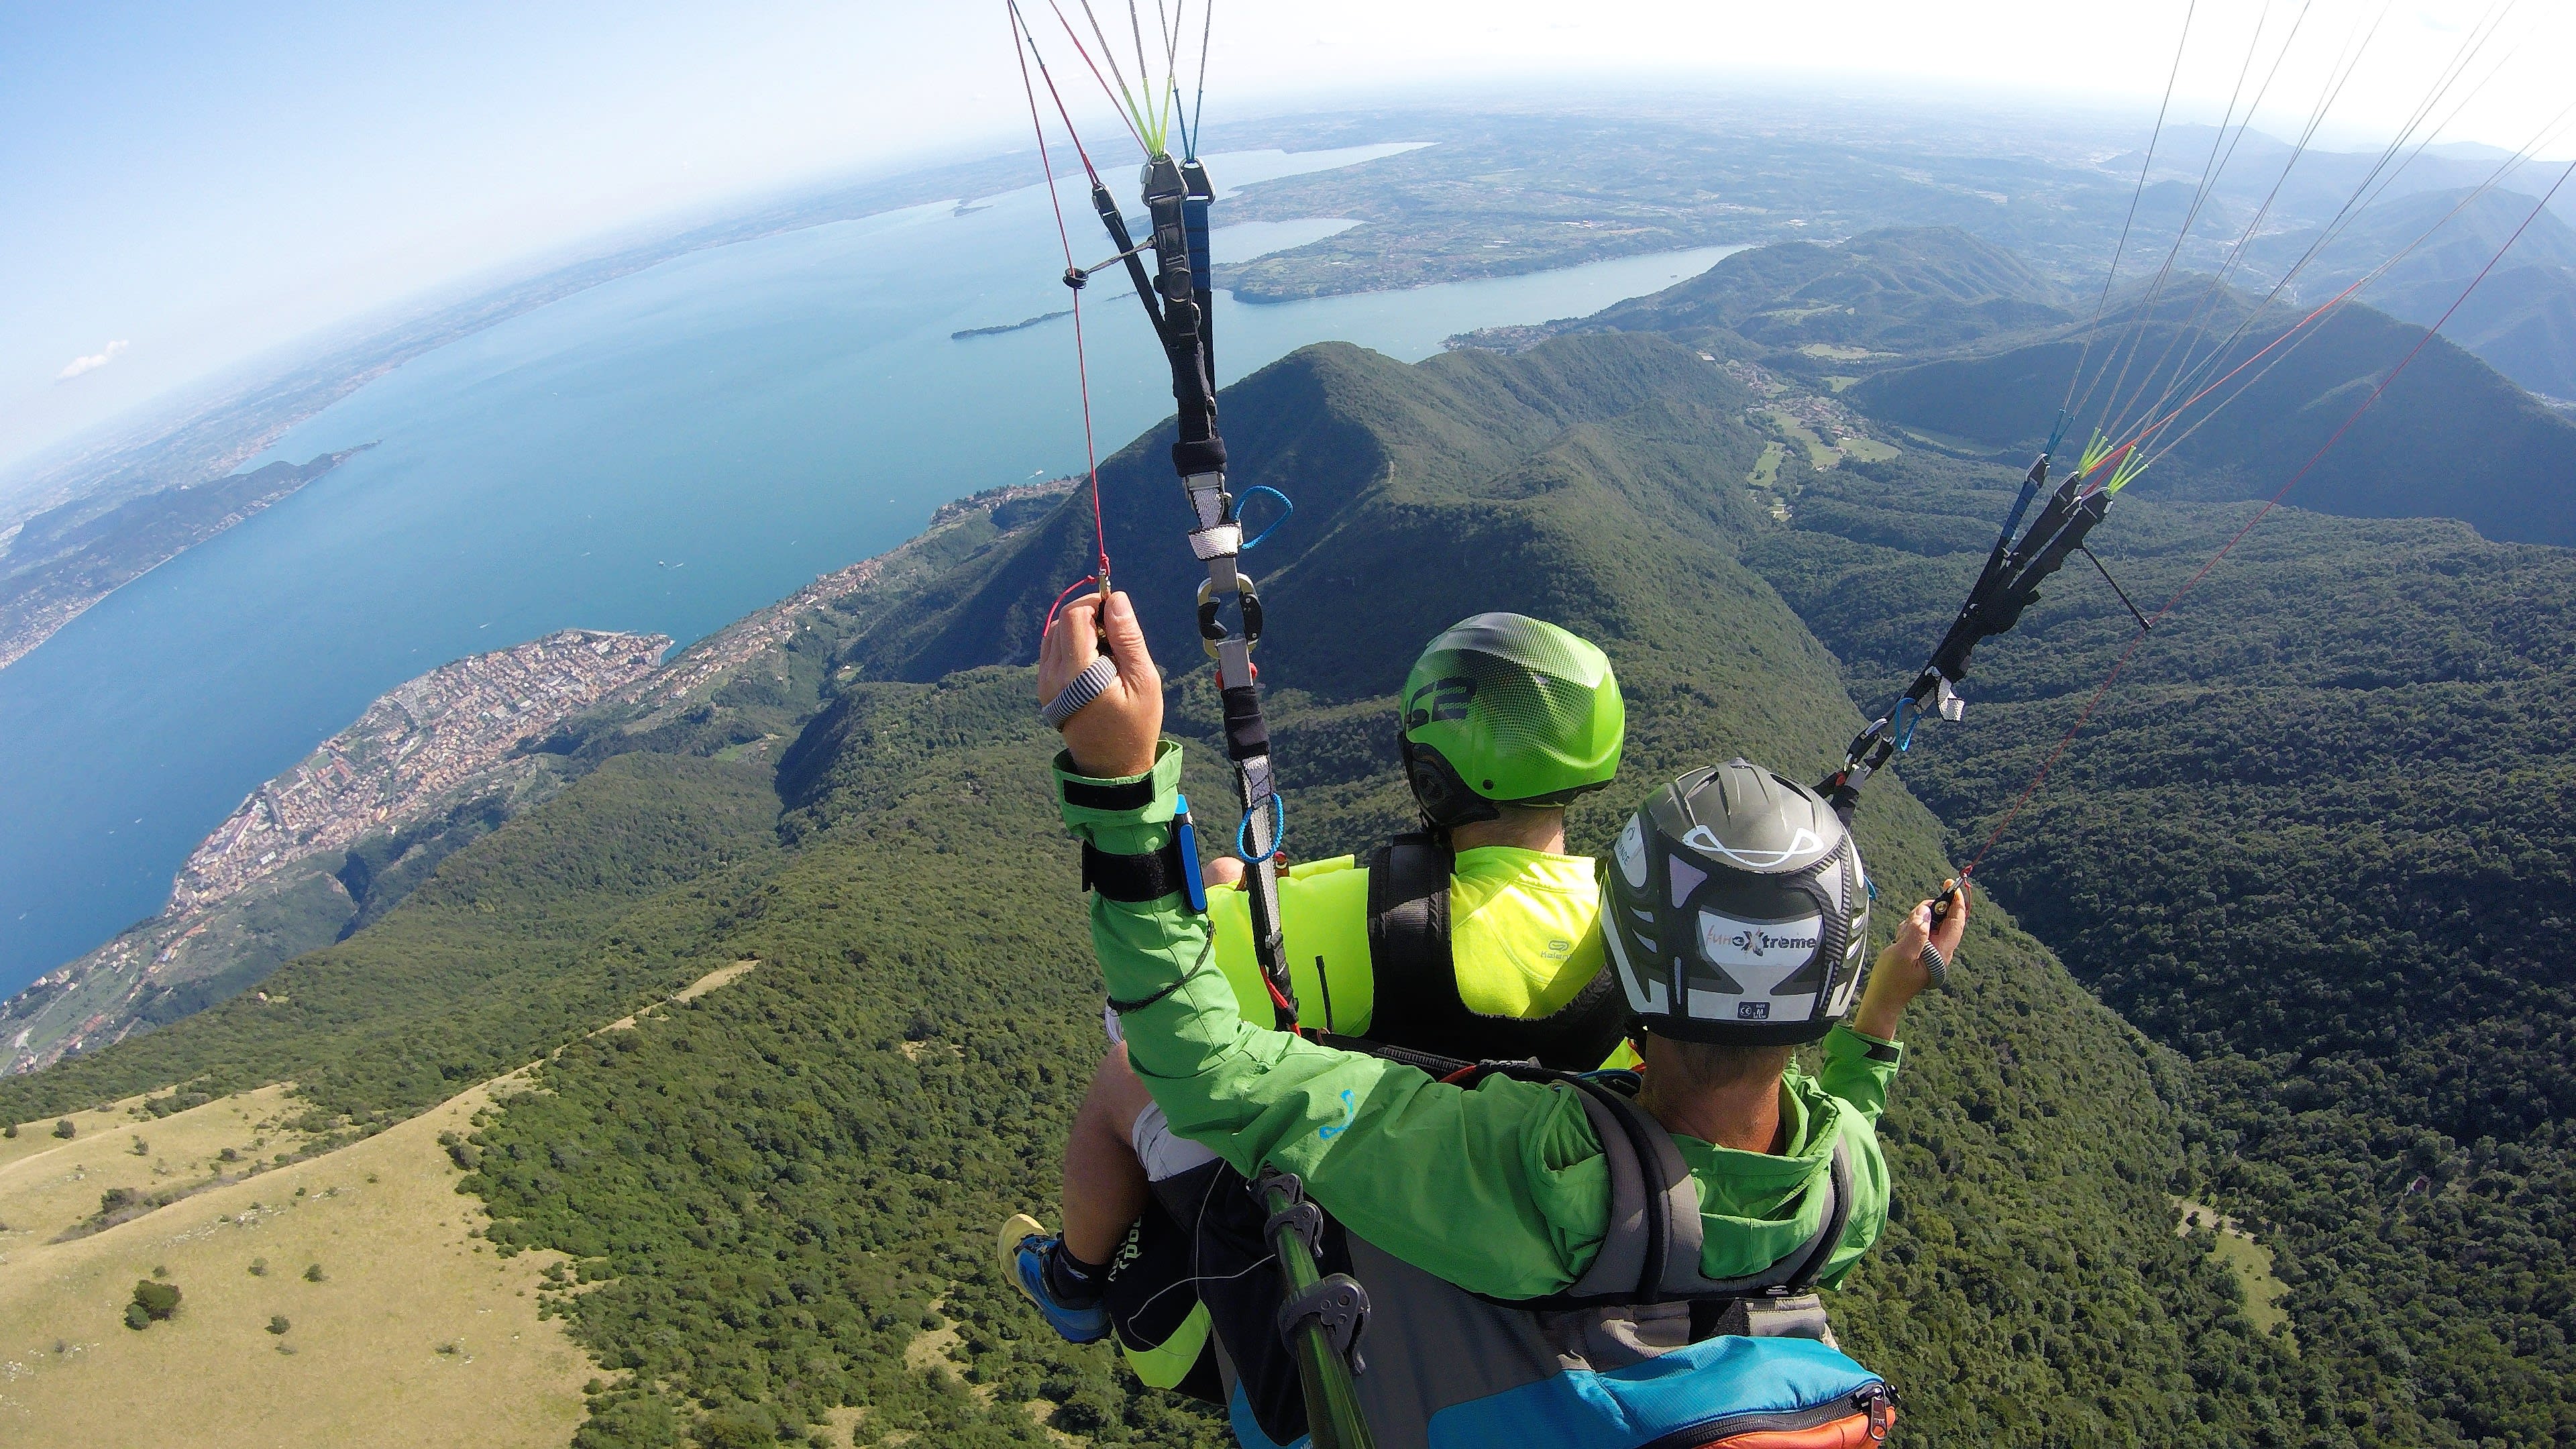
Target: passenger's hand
[(1225, 870), (1115, 734)]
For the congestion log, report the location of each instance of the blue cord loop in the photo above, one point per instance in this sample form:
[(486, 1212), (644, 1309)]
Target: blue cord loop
[(1285, 508), (1278, 832)]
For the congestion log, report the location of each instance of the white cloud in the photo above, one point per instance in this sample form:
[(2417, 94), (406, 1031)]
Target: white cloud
[(91, 363)]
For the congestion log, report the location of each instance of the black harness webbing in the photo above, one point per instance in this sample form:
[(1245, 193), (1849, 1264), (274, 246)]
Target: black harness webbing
[(1176, 302), (1416, 972)]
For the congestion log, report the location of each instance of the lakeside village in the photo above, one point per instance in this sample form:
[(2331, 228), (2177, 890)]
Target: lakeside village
[(425, 737)]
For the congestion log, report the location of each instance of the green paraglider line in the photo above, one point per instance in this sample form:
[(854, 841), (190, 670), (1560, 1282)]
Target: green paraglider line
[(2068, 738)]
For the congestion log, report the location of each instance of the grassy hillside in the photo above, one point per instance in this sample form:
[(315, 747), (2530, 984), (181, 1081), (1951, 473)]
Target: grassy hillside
[(2318, 839), (415, 1331)]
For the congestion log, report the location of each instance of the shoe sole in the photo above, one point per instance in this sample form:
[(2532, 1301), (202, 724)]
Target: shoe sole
[(1007, 1247)]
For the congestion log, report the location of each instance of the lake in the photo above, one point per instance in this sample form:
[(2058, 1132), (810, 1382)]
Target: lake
[(662, 453)]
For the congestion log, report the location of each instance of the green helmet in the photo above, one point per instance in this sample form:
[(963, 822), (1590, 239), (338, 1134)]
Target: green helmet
[(1505, 710)]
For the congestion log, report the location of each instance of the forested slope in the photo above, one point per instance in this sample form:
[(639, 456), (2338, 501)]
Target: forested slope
[(2450, 438), (831, 1138), (2318, 837)]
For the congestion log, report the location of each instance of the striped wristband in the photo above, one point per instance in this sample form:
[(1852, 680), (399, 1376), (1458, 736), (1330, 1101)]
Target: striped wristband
[(1086, 687), (1937, 964)]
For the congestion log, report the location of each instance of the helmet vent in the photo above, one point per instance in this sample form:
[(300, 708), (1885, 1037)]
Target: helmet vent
[(1686, 878)]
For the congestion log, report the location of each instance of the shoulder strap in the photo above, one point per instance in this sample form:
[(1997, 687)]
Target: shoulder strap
[(1650, 1246), (1416, 996), (1650, 1251), (1415, 972)]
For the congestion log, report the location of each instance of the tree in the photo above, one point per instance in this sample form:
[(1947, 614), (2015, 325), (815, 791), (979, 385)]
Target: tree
[(153, 1302), (277, 1323), (64, 1129), (313, 1273)]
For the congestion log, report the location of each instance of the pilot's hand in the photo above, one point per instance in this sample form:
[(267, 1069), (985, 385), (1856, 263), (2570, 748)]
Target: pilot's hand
[(1114, 735), (1900, 973)]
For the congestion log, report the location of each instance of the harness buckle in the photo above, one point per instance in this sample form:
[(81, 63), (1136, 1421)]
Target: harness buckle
[(1209, 501), (1335, 1303)]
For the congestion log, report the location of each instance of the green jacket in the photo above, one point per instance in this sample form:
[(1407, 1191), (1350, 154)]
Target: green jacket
[(1500, 1190)]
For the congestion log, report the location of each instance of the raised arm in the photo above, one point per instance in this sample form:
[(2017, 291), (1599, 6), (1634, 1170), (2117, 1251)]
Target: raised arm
[(1500, 1190)]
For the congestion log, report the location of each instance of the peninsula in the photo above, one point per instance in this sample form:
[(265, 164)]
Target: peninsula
[(57, 564), (1023, 324)]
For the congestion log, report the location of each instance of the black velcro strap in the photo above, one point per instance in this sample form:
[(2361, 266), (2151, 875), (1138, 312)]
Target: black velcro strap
[(1247, 737), (1880, 1051), (1135, 879), (1089, 795), (1204, 455)]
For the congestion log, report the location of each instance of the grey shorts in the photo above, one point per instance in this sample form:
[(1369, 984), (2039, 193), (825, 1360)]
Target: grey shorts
[(1164, 1152)]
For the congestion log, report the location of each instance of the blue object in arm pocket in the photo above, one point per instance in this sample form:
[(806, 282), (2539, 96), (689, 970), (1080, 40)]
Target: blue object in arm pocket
[(1186, 837)]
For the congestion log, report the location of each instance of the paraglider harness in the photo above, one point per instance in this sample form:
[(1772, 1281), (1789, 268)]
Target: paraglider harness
[(1641, 1350), (1417, 1000)]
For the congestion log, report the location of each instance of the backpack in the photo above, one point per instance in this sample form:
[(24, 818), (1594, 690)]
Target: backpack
[(1640, 1353)]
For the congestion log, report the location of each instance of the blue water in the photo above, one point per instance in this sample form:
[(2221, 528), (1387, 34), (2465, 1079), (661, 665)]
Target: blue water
[(665, 453)]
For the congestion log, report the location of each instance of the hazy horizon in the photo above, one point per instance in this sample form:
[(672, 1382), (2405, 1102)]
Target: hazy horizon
[(206, 191)]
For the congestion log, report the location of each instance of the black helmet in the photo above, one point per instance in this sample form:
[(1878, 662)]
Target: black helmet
[(1737, 911)]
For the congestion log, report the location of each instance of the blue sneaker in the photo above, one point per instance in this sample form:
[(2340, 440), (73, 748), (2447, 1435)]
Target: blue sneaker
[(1024, 1246)]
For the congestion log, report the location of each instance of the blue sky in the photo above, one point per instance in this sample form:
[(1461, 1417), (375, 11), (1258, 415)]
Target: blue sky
[(192, 185)]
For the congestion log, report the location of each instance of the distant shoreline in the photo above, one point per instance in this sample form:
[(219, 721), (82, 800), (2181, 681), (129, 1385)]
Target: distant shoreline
[(1042, 317)]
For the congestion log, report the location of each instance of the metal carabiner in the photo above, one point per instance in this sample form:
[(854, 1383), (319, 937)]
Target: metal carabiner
[(1212, 630)]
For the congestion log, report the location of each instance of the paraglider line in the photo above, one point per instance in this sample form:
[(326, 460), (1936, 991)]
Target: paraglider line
[(2193, 582), (1081, 359), (2067, 404)]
